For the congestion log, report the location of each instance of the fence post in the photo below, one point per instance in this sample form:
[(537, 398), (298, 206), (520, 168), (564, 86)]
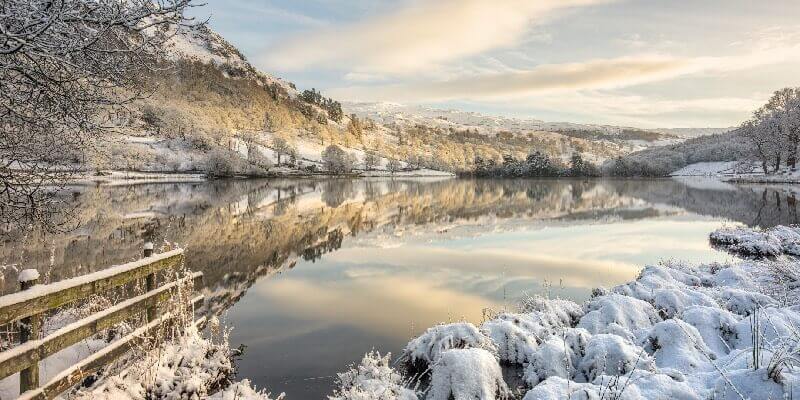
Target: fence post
[(150, 283), (29, 330)]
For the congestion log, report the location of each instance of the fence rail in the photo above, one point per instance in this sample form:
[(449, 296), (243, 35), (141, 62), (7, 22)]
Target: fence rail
[(29, 305)]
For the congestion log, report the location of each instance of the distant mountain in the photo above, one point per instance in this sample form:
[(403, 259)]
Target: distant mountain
[(399, 114)]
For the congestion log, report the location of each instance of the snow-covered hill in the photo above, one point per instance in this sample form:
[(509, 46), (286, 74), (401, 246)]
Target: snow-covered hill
[(204, 45), (395, 113)]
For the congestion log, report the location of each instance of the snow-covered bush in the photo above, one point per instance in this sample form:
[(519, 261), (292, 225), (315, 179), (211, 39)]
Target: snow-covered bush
[(617, 314), (748, 384), (669, 302), (243, 390), (611, 355), (190, 366), (644, 385), (372, 379), (750, 242), (221, 163), (515, 343), (517, 335), (743, 302), (717, 327), (467, 374), (678, 345), (426, 349), (553, 312), (558, 388), (552, 358)]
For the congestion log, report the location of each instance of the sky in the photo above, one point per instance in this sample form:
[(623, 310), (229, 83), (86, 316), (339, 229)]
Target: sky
[(644, 63)]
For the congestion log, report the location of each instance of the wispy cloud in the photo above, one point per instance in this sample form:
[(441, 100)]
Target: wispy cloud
[(569, 77), (418, 36), (593, 74)]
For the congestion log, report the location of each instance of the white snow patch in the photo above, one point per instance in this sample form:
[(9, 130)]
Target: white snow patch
[(467, 374), (27, 275)]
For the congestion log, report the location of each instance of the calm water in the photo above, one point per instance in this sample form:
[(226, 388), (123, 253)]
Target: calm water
[(313, 274)]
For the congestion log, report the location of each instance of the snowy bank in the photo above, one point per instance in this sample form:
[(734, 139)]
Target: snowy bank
[(191, 366), (780, 240), (711, 331)]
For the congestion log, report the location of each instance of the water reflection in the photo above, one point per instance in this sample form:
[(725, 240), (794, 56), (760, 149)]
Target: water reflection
[(369, 263)]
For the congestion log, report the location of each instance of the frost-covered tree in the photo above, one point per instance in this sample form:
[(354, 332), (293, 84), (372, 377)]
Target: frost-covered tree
[(371, 160), (337, 160), (68, 68), (783, 109), (281, 147), (393, 166)]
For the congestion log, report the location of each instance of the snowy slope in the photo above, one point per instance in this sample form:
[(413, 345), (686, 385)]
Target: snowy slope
[(206, 46), (395, 113)]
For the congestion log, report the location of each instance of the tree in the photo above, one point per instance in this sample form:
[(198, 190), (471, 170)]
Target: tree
[(281, 147), (393, 166), (370, 161), (67, 71), (337, 160), (580, 167), (354, 127), (783, 107)]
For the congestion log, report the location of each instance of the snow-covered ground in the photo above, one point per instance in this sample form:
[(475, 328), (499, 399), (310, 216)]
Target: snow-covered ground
[(707, 169), (192, 366), (738, 172), (714, 331)]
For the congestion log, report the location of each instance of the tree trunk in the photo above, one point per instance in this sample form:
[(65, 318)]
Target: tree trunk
[(777, 162)]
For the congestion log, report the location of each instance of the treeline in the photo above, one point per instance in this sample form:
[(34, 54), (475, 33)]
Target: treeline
[(664, 160), (536, 164), (770, 139), (774, 131)]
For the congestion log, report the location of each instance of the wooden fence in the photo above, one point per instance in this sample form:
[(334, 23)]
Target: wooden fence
[(29, 305)]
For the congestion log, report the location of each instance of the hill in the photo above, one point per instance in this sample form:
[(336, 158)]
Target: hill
[(216, 113), (664, 160)]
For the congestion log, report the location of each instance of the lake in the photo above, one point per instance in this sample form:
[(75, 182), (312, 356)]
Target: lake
[(312, 274)]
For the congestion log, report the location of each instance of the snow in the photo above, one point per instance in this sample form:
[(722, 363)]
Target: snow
[(27, 275), (515, 344), (43, 290), (677, 345), (707, 169), (611, 355), (620, 315), (189, 366), (243, 390), (757, 243), (428, 348), (467, 374), (372, 379), (716, 327)]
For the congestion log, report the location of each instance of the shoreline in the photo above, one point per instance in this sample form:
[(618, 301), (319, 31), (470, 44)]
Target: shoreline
[(679, 330), (117, 177)]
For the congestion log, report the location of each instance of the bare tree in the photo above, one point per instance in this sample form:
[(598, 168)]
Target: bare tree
[(281, 148), (371, 160), (68, 69), (783, 107), (393, 166)]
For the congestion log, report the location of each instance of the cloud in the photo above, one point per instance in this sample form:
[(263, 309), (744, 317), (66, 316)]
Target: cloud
[(644, 111), (594, 74), (418, 36)]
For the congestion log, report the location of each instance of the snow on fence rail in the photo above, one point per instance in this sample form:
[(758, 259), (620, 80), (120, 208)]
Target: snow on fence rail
[(29, 305)]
